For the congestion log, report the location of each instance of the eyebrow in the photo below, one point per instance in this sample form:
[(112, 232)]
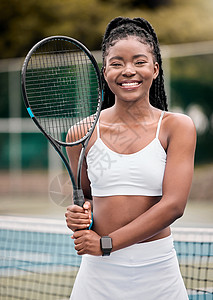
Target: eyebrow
[(134, 57)]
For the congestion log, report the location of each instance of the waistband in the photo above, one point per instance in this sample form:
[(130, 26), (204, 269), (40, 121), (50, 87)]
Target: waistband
[(138, 254)]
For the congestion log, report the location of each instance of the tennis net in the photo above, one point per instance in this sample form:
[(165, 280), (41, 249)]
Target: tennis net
[(194, 247), (38, 259)]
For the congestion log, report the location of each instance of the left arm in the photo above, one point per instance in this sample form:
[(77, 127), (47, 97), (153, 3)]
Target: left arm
[(176, 186)]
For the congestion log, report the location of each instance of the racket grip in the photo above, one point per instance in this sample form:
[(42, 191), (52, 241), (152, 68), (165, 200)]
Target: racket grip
[(78, 197)]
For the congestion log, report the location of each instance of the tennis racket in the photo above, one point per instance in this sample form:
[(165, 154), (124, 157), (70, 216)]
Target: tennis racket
[(62, 91)]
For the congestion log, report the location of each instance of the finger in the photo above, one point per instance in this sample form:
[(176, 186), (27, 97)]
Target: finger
[(76, 227), (81, 243), (75, 208), (79, 248), (77, 215), (81, 252), (79, 234), (78, 222), (78, 243), (87, 206)]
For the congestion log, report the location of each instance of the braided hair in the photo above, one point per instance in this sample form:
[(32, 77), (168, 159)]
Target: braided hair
[(120, 28)]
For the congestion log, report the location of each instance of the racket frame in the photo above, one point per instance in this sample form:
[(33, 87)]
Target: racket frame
[(78, 196)]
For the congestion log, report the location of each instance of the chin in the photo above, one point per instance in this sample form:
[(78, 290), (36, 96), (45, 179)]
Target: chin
[(132, 99)]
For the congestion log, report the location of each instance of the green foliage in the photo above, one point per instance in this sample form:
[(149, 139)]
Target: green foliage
[(24, 22)]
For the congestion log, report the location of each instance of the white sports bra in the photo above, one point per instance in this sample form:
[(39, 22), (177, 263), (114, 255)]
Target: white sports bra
[(140, 173)]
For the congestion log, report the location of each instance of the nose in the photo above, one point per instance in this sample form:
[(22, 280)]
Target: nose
[(129, 70)]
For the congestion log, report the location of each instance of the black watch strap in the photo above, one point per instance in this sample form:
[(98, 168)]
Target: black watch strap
[(106, 245)]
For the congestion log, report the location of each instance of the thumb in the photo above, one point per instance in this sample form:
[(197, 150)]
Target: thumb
[(87, 206), (88, 209)]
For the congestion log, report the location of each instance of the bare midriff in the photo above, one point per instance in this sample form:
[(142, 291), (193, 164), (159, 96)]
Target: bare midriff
[(113, 212)]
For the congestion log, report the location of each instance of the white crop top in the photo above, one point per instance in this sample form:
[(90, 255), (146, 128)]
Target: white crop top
[(140, 173)]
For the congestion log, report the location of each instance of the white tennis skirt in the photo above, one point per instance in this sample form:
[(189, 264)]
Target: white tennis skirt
[(145, 271)]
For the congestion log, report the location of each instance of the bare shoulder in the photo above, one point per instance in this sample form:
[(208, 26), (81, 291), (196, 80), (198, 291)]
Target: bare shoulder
[(179, 123), (80, 129), (181, 133)]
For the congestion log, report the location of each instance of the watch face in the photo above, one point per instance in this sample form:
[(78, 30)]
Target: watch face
[(106, 243)]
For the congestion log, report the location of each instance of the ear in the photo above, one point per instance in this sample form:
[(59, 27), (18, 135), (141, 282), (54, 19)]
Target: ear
[(104, 72), (156, 70)]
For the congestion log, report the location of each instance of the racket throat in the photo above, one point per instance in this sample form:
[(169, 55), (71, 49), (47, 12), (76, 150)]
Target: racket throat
[(78, 197)]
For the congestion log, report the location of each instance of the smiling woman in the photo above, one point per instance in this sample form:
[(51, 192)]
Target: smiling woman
[(142, 31), (130, 67), (137, 175)]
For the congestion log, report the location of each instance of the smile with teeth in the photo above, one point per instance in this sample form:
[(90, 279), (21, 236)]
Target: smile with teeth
[(130, 84)]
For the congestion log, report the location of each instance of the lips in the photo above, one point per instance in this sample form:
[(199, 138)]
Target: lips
[(130, 84)]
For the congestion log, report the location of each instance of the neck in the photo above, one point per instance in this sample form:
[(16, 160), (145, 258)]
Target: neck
[(133, 111)]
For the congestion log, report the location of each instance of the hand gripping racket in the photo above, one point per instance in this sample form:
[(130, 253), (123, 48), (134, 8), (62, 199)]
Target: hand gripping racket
[(62, 91)]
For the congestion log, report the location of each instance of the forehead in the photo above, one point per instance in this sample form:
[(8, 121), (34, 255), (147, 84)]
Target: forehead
[(130, 45)]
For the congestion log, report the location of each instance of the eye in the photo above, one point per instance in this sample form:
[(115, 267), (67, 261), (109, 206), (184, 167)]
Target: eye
[(115, 64), (140, 62)]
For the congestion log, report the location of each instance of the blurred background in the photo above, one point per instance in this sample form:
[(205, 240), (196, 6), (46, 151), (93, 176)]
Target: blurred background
[(33, 181)]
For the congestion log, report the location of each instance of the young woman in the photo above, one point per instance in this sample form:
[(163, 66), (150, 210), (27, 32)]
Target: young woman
[(137, 172)]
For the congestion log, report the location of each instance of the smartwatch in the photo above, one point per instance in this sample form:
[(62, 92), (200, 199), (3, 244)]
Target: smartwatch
[(106, 245)]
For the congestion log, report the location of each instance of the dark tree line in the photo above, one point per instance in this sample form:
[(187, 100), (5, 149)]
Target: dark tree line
[(24, 22)]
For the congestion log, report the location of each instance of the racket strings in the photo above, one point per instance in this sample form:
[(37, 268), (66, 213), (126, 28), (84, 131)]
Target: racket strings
[(62, 89)]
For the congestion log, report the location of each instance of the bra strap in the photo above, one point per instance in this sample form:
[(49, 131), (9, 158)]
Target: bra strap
[(159, 123), (98, 129)]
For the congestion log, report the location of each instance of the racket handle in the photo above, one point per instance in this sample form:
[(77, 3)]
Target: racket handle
[(78, 197)]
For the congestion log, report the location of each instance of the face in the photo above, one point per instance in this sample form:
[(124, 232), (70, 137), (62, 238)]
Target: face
[(130, 69)]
